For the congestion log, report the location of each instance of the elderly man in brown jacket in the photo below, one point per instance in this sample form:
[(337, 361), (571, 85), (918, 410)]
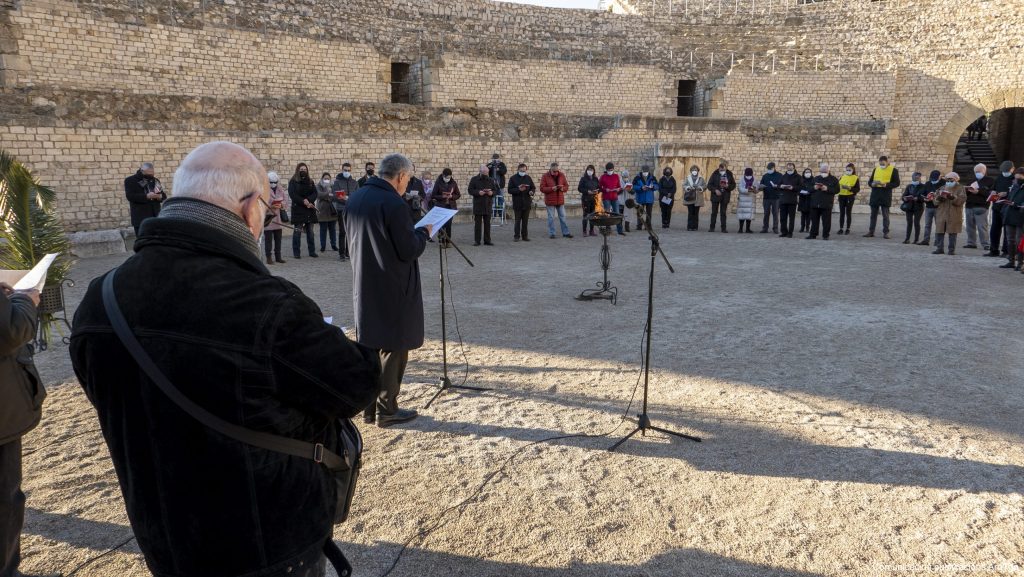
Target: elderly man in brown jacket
[(949, 212)]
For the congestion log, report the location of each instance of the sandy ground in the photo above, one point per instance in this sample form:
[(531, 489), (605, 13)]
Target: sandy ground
[(860, 403)]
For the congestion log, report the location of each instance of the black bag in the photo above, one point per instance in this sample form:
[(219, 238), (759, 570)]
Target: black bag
[(344, 467), (690, 196), (284, 216), (908, 207)]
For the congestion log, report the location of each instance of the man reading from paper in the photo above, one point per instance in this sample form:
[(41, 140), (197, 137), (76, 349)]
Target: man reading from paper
[(386, 293)]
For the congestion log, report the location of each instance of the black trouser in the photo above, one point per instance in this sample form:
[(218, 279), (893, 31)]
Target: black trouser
[(12, 507), (914, 222), (771, 211), (788, 214), (588, 208), (822, 216), (448, 229), (666, 214), (392, 370), (846, 211), (522, 216), (692, 217), (297, 239), (272, 240), (343, 238), (482, 221), (995, 233), (328, 227), (718, 210), (805, 220), (874, 218)]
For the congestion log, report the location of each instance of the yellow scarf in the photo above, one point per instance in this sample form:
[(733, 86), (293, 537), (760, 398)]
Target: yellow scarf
[(847, 180), (883, 175)]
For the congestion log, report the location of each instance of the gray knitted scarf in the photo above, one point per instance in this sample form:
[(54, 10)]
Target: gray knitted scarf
[(194, 210)]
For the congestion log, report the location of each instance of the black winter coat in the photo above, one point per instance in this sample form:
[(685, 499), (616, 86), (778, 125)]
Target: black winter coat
[(497, 171), (791, 195), (979, 198), (1013, 215), (250, 348), (386, 291), (882, 195), (297, 191), (824, 199), (913, 196), (715, 183), (21, 389), (482, 204), (136, 187), (521, 199), (451, 188), (804, 202), (667, 188)]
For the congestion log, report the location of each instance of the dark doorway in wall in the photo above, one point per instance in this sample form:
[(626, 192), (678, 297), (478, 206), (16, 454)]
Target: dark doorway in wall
[(1004, 131), (400, 93), (685, 103)]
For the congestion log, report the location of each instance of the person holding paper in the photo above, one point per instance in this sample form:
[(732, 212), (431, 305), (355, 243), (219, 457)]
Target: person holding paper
[(666, 196), (21, 404), (770, 182), (274, 229), (823, 196), (803, 203), (745, 207), (344, 186), (932, 187), (386, 292), (913, 206), (302, 191), (522, 189), (1000, 189), (884, 179), (145, 194), (720, 185), (446, 195), (949, 212), (482, 188), (1013, 219), (849, 186), (611, 186), (976, 207), (554, 186), (791, 185), (645, 185), (693, 197)]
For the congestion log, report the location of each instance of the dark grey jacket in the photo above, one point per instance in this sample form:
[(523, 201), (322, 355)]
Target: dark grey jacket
[(21, 389), (386, 291)]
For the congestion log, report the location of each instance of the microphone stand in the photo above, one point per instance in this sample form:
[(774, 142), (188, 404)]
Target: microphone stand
[(445, 241), (644, 421)]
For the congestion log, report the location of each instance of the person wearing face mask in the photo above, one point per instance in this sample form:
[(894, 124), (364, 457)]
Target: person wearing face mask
[(588, 188), (428, 186), (1013, 221), (789, 197), (325, 212), (370, 169), (745, 207), (522, 190), (415, 196), (803, 203), (823, 197), (720, 185), (302, 191), (949, 212), (646, 186), (770, 182), (611, 186), (931, 187), (482, 188), (497, 170), (343, 187), (145, 193), (273, 231), (913, 206), (625, 196), (694, 186), (1000, 188), (446, 195), (554, 186), (976, 208), (666, 196), (849, 186), (884, 178)]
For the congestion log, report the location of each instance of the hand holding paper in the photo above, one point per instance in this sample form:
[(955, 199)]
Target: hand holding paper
[(435, 219)]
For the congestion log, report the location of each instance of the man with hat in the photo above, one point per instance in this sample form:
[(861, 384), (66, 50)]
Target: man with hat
[(949, 212)]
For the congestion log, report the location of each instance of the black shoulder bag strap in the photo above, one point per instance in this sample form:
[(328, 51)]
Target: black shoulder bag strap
[(294, 447)]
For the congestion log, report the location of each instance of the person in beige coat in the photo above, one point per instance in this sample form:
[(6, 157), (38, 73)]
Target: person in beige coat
[(693, 187), (949, 212)]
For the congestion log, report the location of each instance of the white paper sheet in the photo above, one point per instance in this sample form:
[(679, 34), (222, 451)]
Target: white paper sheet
[(666, 200), (329, 320), (36, 278), (437, 217)]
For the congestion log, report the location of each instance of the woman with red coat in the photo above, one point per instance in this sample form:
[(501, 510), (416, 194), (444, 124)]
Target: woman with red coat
[(611, 185), (554, 186)]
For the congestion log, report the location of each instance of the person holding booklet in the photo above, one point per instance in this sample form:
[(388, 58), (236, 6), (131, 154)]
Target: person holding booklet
[(482, 188)]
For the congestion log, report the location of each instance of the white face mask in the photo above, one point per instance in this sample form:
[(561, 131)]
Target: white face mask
[(1007, 174), (694, 173), (346, 174), (849, 172), (951, 184), (646, 174), (807, 175), (721, 171), (771, 171), (979, 175), (326, 181), (447, 179), (824, 173), (522, 173), (609, 172), (273, 185), (882, 165), (590, 173), (790, 171)]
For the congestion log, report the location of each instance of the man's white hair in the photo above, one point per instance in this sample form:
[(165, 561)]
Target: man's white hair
[(221, 173), (394, 165)]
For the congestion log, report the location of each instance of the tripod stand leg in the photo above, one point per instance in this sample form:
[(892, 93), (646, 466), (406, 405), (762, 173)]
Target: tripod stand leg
[(680, 435), (440, 390), (624, 439)]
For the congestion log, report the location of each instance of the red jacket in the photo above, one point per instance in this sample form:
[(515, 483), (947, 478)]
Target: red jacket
[(610, 185), (554, 188)]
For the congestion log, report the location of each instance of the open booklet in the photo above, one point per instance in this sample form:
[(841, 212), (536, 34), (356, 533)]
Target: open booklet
[(29, 279), (437, 217)]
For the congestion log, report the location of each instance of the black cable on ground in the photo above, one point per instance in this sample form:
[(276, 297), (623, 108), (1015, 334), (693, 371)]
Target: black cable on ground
[(95, 558)]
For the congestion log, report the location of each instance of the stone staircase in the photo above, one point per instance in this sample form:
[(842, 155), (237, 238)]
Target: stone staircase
[(971, 152)]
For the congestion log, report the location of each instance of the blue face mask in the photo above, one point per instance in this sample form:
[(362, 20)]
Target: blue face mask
[(950, 184), (979, 175)]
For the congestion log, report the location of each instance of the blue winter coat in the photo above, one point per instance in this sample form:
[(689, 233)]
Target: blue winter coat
[(645, 196)]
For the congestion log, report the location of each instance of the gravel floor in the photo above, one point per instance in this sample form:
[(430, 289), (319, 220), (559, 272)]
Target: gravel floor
[(859, 400)]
